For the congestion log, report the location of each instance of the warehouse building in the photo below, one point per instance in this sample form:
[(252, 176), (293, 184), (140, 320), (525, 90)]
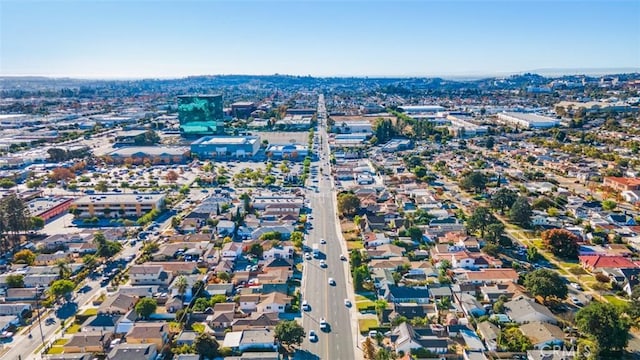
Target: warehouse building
[(527, 120)]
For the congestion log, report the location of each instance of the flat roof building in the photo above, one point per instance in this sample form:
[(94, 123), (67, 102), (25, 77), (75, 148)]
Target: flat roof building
[(527, 120), (209, 147), (287, 151), (118, 205), (421, 109)]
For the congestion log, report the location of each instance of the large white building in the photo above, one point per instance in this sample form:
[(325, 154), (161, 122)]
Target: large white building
[(118, 205), (527, 120), (422, 109)]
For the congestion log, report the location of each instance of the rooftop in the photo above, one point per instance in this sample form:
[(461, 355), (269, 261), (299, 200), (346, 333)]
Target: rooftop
[(225, 140)]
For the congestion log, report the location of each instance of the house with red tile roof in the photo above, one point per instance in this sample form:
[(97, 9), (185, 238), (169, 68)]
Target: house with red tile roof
[(596, 262)]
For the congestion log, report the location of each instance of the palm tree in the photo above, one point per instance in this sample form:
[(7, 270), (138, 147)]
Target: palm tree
[(181, 284), (64, 271)]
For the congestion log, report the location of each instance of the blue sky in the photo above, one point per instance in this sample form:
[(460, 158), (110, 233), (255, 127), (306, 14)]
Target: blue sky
[(127, 39)]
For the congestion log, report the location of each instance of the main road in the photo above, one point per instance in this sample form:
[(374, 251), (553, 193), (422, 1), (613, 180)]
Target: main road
[(325, 300)]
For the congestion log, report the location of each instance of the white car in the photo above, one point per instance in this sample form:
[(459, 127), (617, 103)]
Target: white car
[(342, 257), (347, 302), (307, 256), (323, 241), (332, 282), (323, 324), (576, 286), (305, 305), (323, 264), (312, 336)]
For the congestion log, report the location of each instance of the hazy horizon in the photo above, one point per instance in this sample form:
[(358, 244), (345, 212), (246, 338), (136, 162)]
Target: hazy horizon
[(170, 39)]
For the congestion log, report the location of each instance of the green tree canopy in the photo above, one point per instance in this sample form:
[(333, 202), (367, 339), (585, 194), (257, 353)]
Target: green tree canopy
[(480, 220), (289, 333), (603, 323), (15, 281), (521, 212), (62, 287), (257, 250), (348, 203), (474, 180), (503, 198), (206, 346), (546, 284), (145, 307), (24, 256)]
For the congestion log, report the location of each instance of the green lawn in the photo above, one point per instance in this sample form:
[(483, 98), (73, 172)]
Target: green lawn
[(615, 300), (60, 342), (55, 350), (362, 303), (73, 329), (366, 324), (90, 312)]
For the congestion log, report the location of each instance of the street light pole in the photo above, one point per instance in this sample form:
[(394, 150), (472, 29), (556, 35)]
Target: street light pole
[(38, 294)]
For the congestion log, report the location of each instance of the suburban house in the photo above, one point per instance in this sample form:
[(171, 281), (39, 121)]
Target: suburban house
[(406, 338), (88, 342), (542, 334), (149, 275), (525, 310), (405, 294), (597, 262), (231, 250), (273, 302), (490, 333), (156, 333), (126, 351)]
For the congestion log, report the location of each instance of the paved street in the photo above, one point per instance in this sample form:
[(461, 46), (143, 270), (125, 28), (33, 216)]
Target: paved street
[(327, 301)]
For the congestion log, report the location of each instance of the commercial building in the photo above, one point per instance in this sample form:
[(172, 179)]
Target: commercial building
[(49, 207), (461, 126), (422, 109), (527, 120), (200, 115), (242, 109), (210, 147), (288, 151), (153, 154), (118, 205)]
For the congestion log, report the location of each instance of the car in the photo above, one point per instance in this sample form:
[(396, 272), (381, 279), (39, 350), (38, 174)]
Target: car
[(576, 301), (305, 305), (307, 256), (323, 324), (576, 286), (323, 241), (342, 257), (323, 264), (373, 333), (312, 336), (332, 282), (347, 302), (50, 321)]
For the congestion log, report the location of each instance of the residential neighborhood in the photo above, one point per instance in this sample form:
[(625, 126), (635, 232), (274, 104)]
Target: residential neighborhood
[(287, 218)]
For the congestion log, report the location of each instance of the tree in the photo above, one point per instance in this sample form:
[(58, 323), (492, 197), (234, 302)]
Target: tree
[(296, 238), (25, 256), (36, 222), (479, 220), (224, 276), (532, 254), (7, 183), (561, 242), (61, 174), (289, 333), (415, 233), (145, 307), (15, 281), (61, 287), (348, 203), (491, 249), (380, 306), (546, 284), (360, 274), (503, 198), (490, 143), (603, 323), (101, 186), (494, 232), (368, 349), (474, 180), (206, 346), (14, 219), (257, 250), (64, 271), (512, 339), (521, 212), (355, 258), (609, 205), (89, 261), (171, 176), (181, 284)]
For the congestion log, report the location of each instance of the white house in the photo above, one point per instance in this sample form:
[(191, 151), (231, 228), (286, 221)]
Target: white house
[(231, 250), (285, 252), (273, 302)]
